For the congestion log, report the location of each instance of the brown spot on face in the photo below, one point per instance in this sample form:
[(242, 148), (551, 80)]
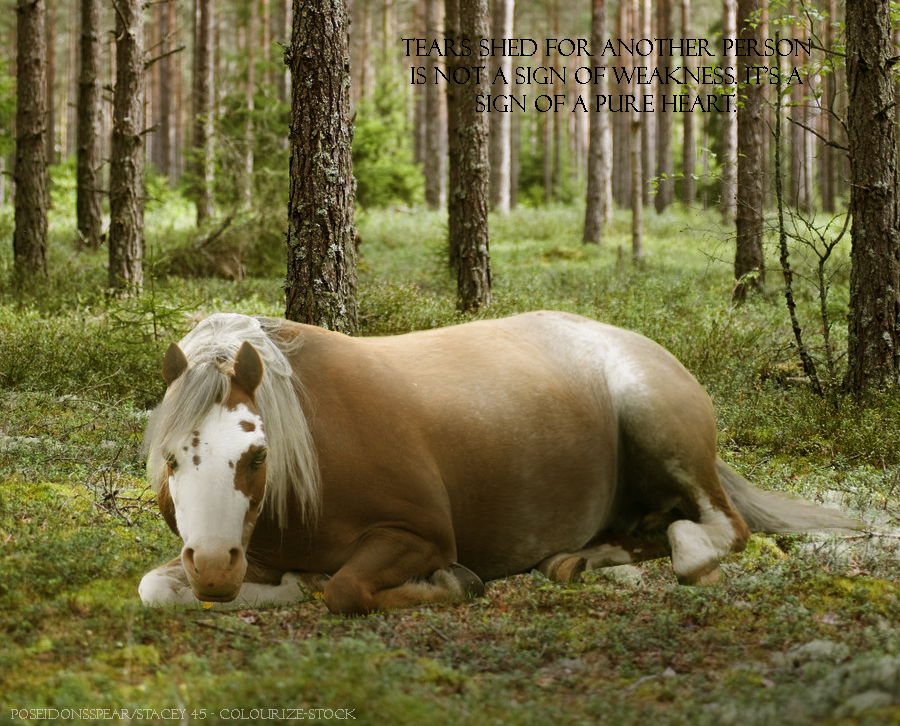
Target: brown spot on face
[(231, 465), (185, 448), (196, 460), (248, 426), (167, 506), (196, 442)]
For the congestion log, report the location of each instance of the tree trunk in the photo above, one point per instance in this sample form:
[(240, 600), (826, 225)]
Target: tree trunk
[(30, 175), (435, 117), (599, 146), (749, 267), (873, 345), (202, 152), (454, 109), (729, 124), (126, 179), (164, 132), (265, 25), (469, 198), (321, 256), (246, 174), (50, 118), (648, 120), (621, 122), (89, 206), (637, 166), (689, 145), (281, 18), (830, 122), (501, 123), (665, 184)]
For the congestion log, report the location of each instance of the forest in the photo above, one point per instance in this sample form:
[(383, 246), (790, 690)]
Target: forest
[(719, 176)]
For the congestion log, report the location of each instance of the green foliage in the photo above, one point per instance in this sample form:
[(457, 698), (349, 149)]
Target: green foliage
[(382, 154), (802, 626), (263, 131)]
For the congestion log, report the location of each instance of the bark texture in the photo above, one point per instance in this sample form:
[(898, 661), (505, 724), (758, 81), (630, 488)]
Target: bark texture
[(873, 335), (321, 257), (469, 198), (89, 206), (454, 109), (729, 123), (665, 184), (599, 151), (202, 153), (31, 181), (126, 174), (501, 123), (435, 117), (749, 266)]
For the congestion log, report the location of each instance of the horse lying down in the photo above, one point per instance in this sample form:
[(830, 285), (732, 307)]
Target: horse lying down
[(385, 472)]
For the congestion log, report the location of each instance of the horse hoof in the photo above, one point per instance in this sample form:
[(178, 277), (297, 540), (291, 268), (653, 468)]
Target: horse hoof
[(472, 586), (705, 577), (563, 568)]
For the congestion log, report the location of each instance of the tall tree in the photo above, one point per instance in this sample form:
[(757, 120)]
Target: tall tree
[(245, 176), (749, 267), (202, 152), (321, 258), (637, 170), (665, 184), (89, 205), (454, 109), (165, 132), (873, 346), (126, 174), (689, 132), (30, 236), (50, 118), (830, 123), (468, 199), (435, 165), (500, 138), (599, 147), (729, 123)]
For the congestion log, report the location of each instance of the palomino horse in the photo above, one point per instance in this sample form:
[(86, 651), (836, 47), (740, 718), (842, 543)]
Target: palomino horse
[(384, 472)]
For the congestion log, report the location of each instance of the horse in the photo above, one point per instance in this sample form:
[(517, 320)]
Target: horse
[(382, 472)]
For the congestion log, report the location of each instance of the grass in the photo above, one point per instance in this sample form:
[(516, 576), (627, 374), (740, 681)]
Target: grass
[(804, 630)]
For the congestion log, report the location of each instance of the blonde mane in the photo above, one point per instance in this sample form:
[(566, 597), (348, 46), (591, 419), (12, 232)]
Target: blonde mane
[(292, 465)]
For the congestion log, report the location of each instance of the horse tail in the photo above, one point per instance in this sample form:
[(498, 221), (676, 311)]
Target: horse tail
[(774, 512)]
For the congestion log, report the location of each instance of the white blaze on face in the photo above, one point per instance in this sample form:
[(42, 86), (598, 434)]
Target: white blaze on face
[(208, 507)]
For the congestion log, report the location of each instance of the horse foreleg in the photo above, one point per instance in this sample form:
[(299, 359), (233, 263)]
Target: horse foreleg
[(394, 571), (169, 585)]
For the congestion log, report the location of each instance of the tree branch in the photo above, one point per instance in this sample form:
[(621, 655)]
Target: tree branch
[(149, 63)]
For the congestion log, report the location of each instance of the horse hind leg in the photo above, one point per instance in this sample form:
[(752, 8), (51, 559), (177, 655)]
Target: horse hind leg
[(698, 544), (608, 550)]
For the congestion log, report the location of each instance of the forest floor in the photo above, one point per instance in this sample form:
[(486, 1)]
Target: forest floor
[(804, 629)]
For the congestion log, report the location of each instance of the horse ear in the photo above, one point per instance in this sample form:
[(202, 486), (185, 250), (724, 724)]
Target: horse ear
[(248, 368), (174, 364)]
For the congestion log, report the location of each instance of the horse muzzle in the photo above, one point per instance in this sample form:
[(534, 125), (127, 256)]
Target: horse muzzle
[(215, 571)]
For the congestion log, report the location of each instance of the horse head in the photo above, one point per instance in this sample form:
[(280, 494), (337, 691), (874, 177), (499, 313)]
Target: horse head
[(214, 481)]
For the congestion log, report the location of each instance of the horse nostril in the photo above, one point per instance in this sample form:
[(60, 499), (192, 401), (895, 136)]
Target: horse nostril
[(234, 554), (188, 558)]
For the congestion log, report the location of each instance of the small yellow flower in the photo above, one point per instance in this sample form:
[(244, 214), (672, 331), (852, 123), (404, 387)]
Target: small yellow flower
[(207, 605)]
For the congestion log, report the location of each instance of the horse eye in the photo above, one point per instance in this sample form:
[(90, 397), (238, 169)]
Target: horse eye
[(172, 463), (259, 458)]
